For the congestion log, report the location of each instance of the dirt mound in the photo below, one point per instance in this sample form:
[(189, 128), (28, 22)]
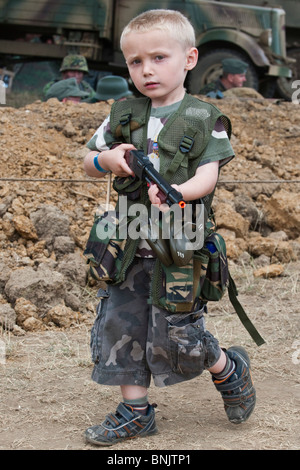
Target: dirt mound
[(45, 224)]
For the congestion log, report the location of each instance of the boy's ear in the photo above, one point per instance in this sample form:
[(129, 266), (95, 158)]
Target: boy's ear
[(191, 58)]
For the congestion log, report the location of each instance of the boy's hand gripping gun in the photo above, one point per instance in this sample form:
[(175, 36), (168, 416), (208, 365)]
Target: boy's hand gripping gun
[(143, 169)]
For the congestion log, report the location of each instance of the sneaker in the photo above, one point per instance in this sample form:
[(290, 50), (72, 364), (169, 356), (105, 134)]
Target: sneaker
[(238, 392), (124, 424)]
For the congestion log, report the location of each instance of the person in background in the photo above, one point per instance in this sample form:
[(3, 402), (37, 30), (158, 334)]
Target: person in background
[(234, 76), (66, 90), (74, 66), (111, 87)]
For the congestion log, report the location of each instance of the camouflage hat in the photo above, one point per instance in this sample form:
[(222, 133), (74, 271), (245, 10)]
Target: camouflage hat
[(234, 66), (65, 88), (112, 87), (74, 62)]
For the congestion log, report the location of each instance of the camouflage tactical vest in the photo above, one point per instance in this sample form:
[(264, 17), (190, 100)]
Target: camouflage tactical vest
[(181, 143)]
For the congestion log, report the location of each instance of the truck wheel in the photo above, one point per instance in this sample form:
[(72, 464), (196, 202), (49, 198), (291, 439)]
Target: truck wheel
[(209, 68), (284, 88), (267, 87)]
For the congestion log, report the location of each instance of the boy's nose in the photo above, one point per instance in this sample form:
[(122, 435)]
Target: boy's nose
[(147, 69)]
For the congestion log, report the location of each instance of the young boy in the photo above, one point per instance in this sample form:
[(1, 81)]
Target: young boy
[(136, 337)]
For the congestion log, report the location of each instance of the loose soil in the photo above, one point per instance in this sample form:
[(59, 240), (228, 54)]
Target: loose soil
[(47, 398)]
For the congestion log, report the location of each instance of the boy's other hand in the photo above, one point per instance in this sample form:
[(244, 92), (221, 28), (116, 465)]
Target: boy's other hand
[(154, 198)]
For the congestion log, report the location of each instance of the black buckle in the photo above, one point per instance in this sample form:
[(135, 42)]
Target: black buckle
[(125, 119), (186, 144)]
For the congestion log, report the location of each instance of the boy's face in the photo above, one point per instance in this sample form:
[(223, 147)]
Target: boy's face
[(158, 65)]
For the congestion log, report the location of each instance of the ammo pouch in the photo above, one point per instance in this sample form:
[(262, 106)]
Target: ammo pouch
[(129, 186), (214, 274), (104, 249), (176, 246), (205, 277)]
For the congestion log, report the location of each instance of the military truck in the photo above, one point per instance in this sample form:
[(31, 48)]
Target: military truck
[(39, 29)]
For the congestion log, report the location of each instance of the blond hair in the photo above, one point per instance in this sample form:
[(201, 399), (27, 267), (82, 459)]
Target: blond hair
[(170, 21)]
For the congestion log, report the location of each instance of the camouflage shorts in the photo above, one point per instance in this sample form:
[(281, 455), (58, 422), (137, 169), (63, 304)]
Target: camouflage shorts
[(132, 340)]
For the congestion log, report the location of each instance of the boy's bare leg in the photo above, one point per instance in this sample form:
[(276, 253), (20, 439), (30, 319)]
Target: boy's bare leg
[(219, 365), (133, 392)]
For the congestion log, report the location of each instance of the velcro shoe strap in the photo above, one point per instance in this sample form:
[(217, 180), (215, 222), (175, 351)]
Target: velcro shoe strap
[(122, 417), (230, 386), (125, 412)]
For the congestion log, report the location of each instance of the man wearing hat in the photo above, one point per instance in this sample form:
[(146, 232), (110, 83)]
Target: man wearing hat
[(66, 90), (234, 76), (111, 87), (74, 66)]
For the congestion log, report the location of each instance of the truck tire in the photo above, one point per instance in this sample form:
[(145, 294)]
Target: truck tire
[(284, 88), (267, 87), (284, 85), (209, 68)]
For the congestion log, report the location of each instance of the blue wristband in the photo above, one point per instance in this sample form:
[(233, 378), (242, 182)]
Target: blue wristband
[(97, 166)]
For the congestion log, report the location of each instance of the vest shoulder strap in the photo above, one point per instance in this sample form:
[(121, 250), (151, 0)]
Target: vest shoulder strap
[(127, 116)]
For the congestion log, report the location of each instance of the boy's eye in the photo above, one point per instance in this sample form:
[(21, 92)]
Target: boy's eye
[(133, 62), (159, 57)]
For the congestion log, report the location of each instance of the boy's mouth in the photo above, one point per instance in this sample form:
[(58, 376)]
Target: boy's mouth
[(150, 85)]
